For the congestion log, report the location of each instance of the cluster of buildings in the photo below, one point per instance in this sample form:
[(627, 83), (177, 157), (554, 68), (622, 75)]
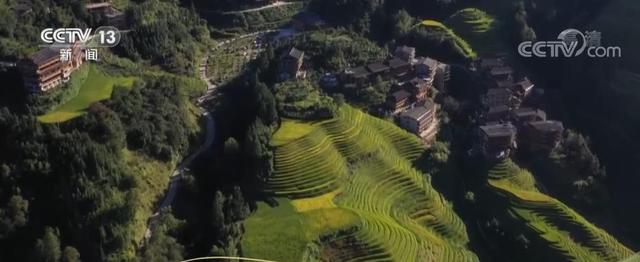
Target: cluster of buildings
[(508, 120), (411, 79), (408, 99)]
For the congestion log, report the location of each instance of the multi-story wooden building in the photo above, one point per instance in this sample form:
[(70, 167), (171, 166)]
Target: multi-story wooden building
[(405, 53), (497, 140), (442, 77), (426, 67), (541, 136), (501, 73), (399, 67), (44, 70), (498, 97), (291, 65), (419, 88), (523, 115), (398, 101), (421, 120), (523, 88)]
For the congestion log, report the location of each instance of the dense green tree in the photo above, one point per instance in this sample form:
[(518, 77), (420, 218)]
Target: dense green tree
[(14, 215), (163, 246), (70, 254), (47, 248)]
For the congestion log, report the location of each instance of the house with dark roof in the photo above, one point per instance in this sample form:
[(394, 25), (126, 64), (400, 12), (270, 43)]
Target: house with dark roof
[(501, 73), (418, 88), (497, 140), (542, 136), (420, 120), (405, 53), (498, 97), (399, 67), (291, 64), (523, 115), (523, 88), (507, 83), (442, 77), (497, 113), (378, 69), (488, 63), (356, 76), (426, 67), (398, 101)]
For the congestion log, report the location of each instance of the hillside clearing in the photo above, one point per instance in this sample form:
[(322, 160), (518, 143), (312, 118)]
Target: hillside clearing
[(98, 86)]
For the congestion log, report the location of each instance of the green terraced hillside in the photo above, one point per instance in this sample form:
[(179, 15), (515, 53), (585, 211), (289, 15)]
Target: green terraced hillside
[(562, 231), (479, 29), (460, 42), (355, 166)]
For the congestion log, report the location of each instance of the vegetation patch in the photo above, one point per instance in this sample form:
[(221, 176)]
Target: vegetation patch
[(96, 87), (300, 100), (283, 234)]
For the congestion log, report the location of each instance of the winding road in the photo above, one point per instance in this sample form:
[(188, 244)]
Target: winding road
[(176, 176), (276, 4)]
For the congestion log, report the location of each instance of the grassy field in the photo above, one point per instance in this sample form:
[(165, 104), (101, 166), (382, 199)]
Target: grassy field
[(466, 47), (284, 233), (349, 187), (559, 227), (97, 86)]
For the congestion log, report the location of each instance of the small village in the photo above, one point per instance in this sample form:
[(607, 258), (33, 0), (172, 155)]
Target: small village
[(511, 117)]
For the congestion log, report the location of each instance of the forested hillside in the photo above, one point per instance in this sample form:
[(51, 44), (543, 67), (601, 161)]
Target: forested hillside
[(84, 187)]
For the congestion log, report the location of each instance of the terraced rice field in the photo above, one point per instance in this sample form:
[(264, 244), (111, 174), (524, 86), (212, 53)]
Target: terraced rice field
[(462, 43), (363, 165), (564, 230), (479, 29)]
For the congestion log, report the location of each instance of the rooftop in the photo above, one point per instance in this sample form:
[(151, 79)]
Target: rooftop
[(502, 70), (377, 67), (400, 95), (524, 85), (397, 62), (419, 112), (405, 49), (295, 53), (498, 130), (45, 55), (429, 62), (360, 72), (547, 125), (498, 109), (491, 62), (528, 111), (505, 83), (498, 91)]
